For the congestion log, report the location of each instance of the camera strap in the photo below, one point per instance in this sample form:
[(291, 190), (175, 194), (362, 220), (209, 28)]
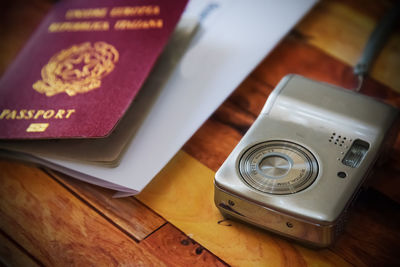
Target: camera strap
[(375, 42)]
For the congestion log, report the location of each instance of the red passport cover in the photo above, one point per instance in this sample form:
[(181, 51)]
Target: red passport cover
[(81, 69)]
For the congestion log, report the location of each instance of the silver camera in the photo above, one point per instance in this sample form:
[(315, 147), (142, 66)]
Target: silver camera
[(302, 162)]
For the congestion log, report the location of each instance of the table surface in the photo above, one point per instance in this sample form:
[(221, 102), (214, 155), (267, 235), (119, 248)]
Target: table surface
[(49, 219)]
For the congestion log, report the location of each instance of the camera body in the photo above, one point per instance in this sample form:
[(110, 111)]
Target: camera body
[(302, 162)]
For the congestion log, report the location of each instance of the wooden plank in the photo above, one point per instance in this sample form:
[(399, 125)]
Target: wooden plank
[(372, 234), (183, 194), (294, 55), (251, 95), (57, 228), (386, 177), (128, 213), (342, 31), (371, 8), (212, 143), (12, 255), (176, 249)]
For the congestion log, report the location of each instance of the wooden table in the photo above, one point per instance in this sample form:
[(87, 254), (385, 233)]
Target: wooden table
[(49, 219)]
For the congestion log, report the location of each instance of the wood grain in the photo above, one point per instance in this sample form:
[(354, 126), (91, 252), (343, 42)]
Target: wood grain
[(212, 143), (386, 177), (127, 213), (176, 249), (295, 55), (183, 194), (250, 95), (56, 227), (372, 234), (13, 255), (342, 30)]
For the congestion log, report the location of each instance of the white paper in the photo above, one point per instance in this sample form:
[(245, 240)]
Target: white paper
[(234, 36)]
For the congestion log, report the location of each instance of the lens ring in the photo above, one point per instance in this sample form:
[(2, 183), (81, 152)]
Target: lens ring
[(278, 167)]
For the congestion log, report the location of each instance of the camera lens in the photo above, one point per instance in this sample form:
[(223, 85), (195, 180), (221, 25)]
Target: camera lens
[(278, 167)]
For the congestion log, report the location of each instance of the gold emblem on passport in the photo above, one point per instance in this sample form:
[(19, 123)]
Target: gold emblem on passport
[(77, 69)]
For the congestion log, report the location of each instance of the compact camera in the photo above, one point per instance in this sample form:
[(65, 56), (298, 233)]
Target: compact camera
[(302, 162)]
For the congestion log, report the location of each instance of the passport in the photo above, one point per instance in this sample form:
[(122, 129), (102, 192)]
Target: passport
[(80, 71)]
